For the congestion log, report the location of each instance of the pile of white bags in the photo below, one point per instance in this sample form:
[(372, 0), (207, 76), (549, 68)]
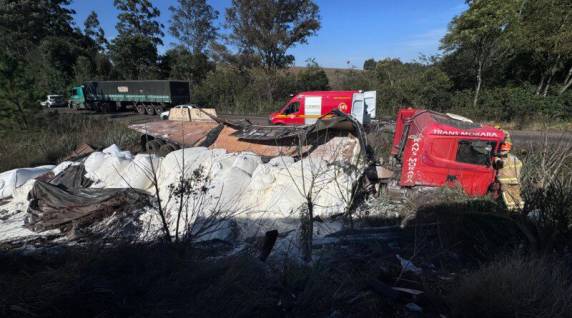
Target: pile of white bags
[(13, 179)]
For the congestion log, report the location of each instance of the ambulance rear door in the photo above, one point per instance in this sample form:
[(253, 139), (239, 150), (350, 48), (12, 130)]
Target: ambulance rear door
[(312, 109)]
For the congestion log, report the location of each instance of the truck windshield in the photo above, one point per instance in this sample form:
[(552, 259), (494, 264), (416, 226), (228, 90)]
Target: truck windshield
[(477, 152), (292, 108)]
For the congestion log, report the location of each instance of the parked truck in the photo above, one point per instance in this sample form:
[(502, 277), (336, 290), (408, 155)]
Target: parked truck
[(146, 97), (306, 107)]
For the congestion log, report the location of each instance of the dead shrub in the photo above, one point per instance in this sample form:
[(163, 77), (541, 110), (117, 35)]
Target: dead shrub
[(515, 287), (546, 219)]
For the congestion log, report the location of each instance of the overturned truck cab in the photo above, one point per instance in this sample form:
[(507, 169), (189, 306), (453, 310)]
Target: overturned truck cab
[(437, 150)]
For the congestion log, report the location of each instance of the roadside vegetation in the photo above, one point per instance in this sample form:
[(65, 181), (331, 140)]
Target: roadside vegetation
[(504, 61), (51, 136)]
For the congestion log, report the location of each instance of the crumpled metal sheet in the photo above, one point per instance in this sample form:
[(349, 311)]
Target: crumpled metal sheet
[(81, 151), (53, 207), (182, 133), (269, 133), (73, 177)]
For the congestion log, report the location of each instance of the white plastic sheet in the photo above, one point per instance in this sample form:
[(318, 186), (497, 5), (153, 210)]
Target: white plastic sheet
[(13, 179)]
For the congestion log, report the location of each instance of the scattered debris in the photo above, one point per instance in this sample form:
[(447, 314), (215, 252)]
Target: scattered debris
[(52, 207), (79, 152), (408, 265), (413, 307)]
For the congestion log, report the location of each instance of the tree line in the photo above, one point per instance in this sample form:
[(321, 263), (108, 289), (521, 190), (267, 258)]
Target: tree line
[(507, 60), (504, 60)]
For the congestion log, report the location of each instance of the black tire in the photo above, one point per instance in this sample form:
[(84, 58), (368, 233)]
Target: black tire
[(166, 149), (153, 146), (105, 108), (150, 110), (140, 109), (159, 109)]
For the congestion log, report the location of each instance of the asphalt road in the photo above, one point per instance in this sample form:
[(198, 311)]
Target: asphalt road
[(521, 138)]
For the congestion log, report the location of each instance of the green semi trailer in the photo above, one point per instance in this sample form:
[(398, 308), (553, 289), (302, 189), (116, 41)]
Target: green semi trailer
[(146, 97)]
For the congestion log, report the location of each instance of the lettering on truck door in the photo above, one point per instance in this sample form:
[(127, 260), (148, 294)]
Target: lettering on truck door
[(312, 109)]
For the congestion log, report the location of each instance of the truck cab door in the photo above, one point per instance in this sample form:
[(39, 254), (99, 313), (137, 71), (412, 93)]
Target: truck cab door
[(358, 107), (369, 99), (363, 106), (472, 168), (291, 114), (312, 109)]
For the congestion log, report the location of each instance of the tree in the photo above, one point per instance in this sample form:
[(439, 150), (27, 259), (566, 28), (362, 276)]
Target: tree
[(54, 67), (94, 31), (313, 78), (134, 50), (138, 18), (544, 30), (84, 69), (272, 27), (134, 56), (103, 67), (369, 65), (192, 24), (16, 93), (24, 23), (181, 64), (480, 30)]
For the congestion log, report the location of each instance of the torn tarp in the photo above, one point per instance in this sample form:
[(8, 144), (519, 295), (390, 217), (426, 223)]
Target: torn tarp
[(53, 207), (73, 177)]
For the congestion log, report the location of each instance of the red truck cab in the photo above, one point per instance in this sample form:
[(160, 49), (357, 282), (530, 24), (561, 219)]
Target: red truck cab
[(438, 150), (306, 107)]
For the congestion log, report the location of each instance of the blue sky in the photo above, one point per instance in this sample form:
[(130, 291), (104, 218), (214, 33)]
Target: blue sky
[(352, 31)]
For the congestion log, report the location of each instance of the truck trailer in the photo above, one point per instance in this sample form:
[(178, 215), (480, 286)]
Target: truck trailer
[(429, 149), (146, 97)]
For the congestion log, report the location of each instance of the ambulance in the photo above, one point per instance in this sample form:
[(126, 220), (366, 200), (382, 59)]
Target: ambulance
[(305, 108)]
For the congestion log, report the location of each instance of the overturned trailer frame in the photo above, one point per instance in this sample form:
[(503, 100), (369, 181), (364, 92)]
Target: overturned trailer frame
[(429, 149)]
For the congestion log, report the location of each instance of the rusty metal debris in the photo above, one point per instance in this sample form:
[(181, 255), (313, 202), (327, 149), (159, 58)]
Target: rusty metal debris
[(243, 136)]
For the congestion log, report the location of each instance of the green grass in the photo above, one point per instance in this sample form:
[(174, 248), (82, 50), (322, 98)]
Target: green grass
[(52, 136)]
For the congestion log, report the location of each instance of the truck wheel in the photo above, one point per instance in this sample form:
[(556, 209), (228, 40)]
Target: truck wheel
[(166, 149), (140, 109), (158, 109), (150, 110), (153, 146)]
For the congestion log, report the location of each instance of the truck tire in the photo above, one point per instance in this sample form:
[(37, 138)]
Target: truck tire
[(158, 109), (166, 149), (153, 146), (140, 109), (108, 107), (150, 110)]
